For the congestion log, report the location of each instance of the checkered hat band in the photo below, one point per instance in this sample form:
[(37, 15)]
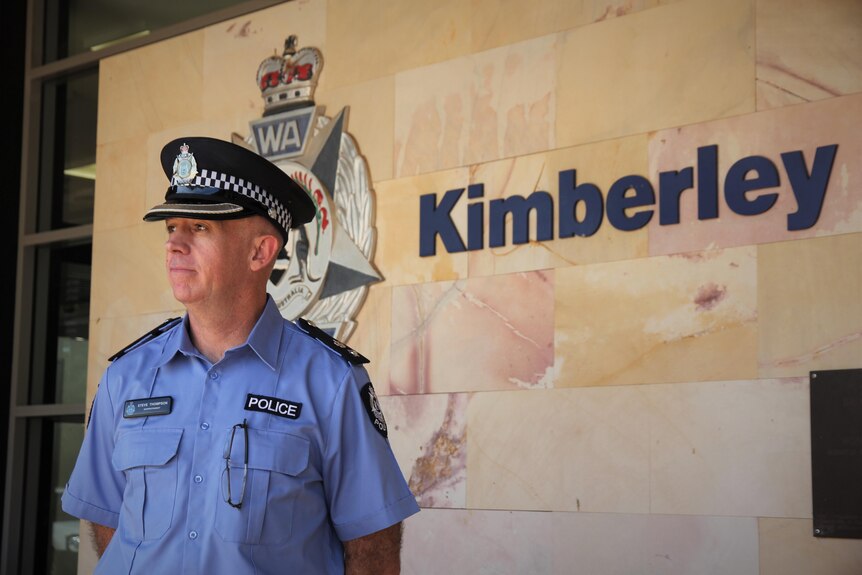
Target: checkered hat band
[(212, 179)]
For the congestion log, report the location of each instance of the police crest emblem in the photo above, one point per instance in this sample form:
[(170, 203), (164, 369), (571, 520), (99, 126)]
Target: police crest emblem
[(372, 406), (185, 167), (324, 271)]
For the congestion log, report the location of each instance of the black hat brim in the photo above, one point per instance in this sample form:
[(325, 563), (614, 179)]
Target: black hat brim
[(200, 211)]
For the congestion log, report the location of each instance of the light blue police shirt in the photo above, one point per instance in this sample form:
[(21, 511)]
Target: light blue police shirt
[(326, 476)]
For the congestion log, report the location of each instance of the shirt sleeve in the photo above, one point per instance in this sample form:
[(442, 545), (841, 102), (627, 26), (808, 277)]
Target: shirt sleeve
[(95, 489), (364, 486)]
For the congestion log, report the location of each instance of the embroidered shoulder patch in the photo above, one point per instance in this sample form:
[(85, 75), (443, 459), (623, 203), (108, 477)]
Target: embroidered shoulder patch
[(372, 407), (153, 333), (333, 344)]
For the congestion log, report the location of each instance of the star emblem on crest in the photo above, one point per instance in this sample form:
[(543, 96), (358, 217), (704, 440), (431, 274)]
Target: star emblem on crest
[(349, 266), (324, 271)]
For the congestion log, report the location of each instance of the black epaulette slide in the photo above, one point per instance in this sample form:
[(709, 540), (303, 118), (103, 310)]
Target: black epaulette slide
[(341, 349), (152, 334)]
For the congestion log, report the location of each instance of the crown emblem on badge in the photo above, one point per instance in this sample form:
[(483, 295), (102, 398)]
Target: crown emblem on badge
[(288, 81)]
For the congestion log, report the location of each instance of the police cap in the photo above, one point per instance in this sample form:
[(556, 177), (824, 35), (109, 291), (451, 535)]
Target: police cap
[(212, 179)]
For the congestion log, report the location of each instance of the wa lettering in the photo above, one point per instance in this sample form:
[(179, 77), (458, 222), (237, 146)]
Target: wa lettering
[(278, 138)]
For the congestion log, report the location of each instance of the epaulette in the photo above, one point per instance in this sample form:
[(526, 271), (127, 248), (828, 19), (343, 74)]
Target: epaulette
[(333, 344), (152, 334)]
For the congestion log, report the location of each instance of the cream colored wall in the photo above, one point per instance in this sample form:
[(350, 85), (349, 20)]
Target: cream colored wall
[(647, 388)]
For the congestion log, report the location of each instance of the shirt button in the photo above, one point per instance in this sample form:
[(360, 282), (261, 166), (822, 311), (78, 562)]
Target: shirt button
[(214, 375), (205, 425), (198, 478), (193, 534)]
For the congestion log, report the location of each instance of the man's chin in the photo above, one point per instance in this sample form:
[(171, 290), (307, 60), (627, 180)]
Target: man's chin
[(185, 297)]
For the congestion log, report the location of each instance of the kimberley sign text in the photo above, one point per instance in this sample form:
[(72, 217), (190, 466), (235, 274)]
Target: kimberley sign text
[(630, 203)]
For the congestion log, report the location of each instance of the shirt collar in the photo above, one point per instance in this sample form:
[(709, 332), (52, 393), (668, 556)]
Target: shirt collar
[(264, 338), (178, 341)]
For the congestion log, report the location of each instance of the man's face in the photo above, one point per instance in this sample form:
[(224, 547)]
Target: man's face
[(207, 261)]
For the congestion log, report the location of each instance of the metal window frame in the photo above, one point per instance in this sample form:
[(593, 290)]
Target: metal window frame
[(16, 542)]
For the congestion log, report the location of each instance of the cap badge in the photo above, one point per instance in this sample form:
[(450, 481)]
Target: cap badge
[(272, 213), (185, 167)]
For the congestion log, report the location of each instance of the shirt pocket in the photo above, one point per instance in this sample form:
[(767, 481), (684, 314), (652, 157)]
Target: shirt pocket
[(275, 461), (148, 459)]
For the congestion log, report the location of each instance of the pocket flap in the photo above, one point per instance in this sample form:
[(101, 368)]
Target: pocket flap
[(142, 447), (272, 451)]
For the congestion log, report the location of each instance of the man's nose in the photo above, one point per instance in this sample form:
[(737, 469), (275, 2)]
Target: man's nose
[(176, 242)]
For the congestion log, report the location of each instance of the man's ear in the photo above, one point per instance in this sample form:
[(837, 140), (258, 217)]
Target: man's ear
[(265, 251)]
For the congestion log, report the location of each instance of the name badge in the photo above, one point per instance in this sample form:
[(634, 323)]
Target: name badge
[(147, 407), (273, 405)]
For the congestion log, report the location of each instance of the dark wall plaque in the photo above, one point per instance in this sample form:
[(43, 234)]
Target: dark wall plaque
[(836, 452)]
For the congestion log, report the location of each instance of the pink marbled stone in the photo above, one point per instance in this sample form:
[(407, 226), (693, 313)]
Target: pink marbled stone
[(468, 110), (464, 541), (478, 334), (428, 434)]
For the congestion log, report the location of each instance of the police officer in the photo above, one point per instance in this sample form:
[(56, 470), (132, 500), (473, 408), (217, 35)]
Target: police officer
[(233, 441)]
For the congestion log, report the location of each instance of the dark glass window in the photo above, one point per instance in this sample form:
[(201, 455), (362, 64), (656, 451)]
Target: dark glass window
[(68, 152), (78, 26), (61, 315), (52, 447)]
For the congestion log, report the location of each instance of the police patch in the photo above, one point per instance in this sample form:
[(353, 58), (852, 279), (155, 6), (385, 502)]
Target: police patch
[(372, 407), (273, 406)]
